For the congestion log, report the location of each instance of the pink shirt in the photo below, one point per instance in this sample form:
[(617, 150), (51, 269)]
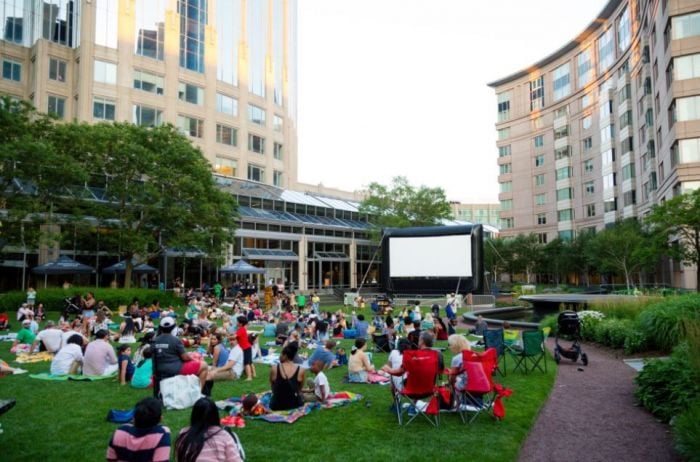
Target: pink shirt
[(219, 447), (98, 355)]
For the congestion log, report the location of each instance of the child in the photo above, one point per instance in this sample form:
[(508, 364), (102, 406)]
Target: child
[(340, 357), (143, 376), (126, 367), (322, 389), (145, 439)]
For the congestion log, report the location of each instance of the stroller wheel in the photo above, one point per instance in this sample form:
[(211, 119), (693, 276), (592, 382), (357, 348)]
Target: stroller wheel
[(584, 359), (557, 356)]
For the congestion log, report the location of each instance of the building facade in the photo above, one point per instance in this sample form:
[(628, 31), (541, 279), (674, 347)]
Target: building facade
[(605, 127), (480, 214), (223, 71)]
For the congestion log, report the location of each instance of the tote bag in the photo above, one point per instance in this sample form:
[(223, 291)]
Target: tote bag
[(180, 392)]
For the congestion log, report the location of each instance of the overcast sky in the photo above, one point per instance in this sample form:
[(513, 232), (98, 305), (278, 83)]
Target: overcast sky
[(398, 87)]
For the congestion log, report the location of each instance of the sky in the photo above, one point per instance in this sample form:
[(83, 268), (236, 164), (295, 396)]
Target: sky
[(399, 87)]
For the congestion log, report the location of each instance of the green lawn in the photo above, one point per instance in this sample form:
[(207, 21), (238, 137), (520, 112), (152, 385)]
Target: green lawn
[(67, 421)]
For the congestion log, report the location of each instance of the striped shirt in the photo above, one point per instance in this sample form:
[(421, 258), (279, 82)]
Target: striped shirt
[(140, 444), (218, 446)]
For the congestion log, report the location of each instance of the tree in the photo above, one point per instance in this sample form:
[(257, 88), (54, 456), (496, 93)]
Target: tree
[(625, 248), (401, 205), (528, 252), (678, 220)]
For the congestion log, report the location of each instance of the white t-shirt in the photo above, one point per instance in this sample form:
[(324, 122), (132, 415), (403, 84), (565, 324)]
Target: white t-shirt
[(52, 338), (395, 361), (321, 381), (64, 359), (236, 355)]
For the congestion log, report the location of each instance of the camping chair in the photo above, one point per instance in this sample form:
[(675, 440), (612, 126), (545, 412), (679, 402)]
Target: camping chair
[(421, 367), (479, 393), (494, 338), (380, 343), (532, 352)]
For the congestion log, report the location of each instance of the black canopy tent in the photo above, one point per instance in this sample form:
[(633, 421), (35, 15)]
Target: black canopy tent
[(62, 265)]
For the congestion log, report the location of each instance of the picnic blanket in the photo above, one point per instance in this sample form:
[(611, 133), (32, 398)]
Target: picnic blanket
[(373, 378), (270, 359), (342, 398), (63, 378), (24, 358)]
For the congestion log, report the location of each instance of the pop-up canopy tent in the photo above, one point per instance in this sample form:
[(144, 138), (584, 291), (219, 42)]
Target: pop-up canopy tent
[(120, 268), (242, 267), (63, 265)]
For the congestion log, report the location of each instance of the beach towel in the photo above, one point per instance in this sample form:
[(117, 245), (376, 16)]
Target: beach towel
[(75, 377), (24, 358)]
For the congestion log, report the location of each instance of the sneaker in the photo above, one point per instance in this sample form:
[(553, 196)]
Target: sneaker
[(412, 411), (18, 371)]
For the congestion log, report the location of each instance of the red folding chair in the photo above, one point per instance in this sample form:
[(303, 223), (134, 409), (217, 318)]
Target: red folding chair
[(422, 370), (479, 393)]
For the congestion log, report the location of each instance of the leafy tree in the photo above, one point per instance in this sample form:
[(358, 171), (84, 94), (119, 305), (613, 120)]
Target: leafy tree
[(577, 255), (528, 252), (678, 220), (401, 205), (497, 256), (554, 259), (625, 248)]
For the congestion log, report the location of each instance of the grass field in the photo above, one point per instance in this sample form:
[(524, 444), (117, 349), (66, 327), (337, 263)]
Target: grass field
[(67, 421)]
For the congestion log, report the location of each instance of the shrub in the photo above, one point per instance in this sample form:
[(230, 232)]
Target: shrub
[(686, 429), (635, 341), (589, 324), (52, 298), (625, 308), (665, 322), (550, 321), (666, 386)]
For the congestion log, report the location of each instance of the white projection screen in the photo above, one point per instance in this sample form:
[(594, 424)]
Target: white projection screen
[(431, 256)]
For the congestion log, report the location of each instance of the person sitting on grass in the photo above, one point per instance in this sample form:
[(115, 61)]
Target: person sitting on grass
[(126, 367), (323, 353), (143, 375), (286, 380), (49, 339), (171, 357), (24, 337), (361, 326), (358, 365), (69, 358), (205, 439), (232, 367), (320, 389), (99, 358), (146, 439), (127, 329)]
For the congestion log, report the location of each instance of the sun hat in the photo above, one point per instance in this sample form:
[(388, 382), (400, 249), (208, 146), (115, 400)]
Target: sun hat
[(167, 322)]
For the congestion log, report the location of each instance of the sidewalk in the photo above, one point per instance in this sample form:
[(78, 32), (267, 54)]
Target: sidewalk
[(591, 416)]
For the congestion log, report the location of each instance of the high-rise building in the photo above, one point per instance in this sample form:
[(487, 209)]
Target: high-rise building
[(223, 71), (605, 127), (481, 214)]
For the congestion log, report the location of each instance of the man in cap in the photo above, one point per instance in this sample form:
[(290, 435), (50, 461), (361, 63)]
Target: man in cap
[(171, 359), (25, 335)]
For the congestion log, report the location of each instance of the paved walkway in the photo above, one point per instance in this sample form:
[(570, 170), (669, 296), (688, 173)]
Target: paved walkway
[(591, 416)]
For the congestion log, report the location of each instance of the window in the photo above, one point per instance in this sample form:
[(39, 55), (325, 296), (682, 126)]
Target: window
[(686, 67), (277, 123), (226, 135), (687, 108), (625, 119), (538, 141), (607, 134), (586, 122), (256, 173), (608, 156), (564, 173), (587, 144), (609, 181), (11, 70), (606, 109), (504, 151), (190, 93), (106, 20), (590, 210), (565, 215), (277, 178), (193, 21), (57, 106), (503, 106), (542, 238), (585, 101), (191, 126), (507, 204), (588, 166), (105, 72), (150, 28), (57, 70), (225, 166), (505, 168), (277, 151), (56, 21), (562, 153), (629, 198), (624, 31), (589, 188), (564, 194), (610, 205), (504, 133), (226, 105), (148, 82), (147, 116), (688, 151), (584, 67), (561, 112), (626, 145), (541, 199), (537, 93), (562, 81), (507, 223), (539, 160), (256, 143), (506, 186), (628, 172), (684, 26), (624, 94), (606, 50), (256, 114), (541, 218), (539, 180), (561, 132), (103, 109)]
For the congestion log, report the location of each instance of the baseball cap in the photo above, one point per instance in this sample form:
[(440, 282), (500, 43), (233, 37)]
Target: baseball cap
[(26, 322), (167, 322)]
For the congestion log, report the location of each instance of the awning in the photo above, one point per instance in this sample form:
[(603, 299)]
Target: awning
[(185, 252), (331, 256), (241, 267), (271, 254)]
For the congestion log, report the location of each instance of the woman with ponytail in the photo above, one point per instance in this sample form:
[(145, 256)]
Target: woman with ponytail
[(205, 440), (358, 364)]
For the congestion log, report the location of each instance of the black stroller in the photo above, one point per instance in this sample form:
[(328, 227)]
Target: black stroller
[(570, 326)]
